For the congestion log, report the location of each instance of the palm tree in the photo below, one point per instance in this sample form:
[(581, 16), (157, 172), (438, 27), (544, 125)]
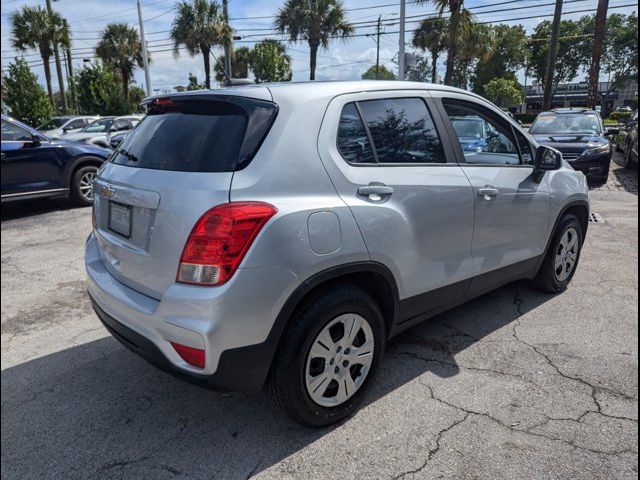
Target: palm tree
[(316, 21), (431, 36), (199, 25), (36, 28), (120, 47), (460, 23)]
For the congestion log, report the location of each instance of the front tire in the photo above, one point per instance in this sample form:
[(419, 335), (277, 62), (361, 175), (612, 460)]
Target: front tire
[(329, 356), (82, 185), (561, 259)]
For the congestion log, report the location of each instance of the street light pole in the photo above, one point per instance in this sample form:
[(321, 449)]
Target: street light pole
[(551, 58), (378, 48), (401, 41), (56, 55), (227, 44), (143, 44)]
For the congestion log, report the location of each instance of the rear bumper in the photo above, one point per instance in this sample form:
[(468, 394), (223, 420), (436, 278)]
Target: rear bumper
[(231, 323)]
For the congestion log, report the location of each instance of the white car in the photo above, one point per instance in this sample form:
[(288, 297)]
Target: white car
[(58, 126), (100, 131)]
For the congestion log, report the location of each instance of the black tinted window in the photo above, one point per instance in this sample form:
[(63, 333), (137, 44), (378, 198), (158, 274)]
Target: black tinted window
[(184, 142), (402, 130), (12, 133), (353, 143), (483, 137)]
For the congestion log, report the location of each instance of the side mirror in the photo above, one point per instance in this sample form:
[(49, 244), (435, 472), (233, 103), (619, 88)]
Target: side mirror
[(36, 140), (547, 159), (67, 128)]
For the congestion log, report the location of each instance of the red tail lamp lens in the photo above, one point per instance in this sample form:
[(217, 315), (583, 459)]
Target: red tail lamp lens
[(219, 241)]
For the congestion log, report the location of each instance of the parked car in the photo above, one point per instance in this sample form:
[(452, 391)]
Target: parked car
[(282, 233), (36, 166), (58, 126), (622, 139), (581, 137), (116, 139), (100, 131), (631, 150)]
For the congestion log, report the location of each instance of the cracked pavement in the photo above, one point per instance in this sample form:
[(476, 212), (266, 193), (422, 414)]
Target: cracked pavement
[(515, 384)]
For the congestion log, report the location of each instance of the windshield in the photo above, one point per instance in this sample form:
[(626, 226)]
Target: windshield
[(98, 126), (566, 123), (53, 123), (466, 128)]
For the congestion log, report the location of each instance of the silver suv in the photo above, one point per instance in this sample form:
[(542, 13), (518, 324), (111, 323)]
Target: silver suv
[(281, 234)]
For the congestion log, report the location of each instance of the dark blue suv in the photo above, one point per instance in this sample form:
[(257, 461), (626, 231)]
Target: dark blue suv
[(581, 137), (35, 166)]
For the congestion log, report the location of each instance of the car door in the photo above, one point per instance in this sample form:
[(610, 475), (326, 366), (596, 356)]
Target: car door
[(414, 207), (28, 165), (512, 204)]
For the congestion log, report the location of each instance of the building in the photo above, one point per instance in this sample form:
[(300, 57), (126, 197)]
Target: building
[(575, 95)]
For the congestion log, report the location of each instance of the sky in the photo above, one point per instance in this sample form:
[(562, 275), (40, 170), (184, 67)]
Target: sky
[(253, 21)]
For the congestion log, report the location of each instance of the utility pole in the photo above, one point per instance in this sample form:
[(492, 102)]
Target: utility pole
[(56, 54), (596, 53), (143, 44), (66, 58), (551, 58), (401, 41), (378, 48), (227, 43)]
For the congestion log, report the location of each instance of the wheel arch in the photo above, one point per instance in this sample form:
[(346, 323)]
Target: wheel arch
[(373, 277), (80, 161), (578, 208)]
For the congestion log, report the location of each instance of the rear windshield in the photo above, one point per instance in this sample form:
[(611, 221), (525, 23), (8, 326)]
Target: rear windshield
[(197, 135)]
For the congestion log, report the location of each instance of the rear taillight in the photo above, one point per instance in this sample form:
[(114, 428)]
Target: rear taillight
[(219, 241)]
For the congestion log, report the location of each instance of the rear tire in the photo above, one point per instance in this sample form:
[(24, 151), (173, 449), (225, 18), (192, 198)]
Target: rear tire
[(629, 164), (309, 377), (82, 185), (561, 259)]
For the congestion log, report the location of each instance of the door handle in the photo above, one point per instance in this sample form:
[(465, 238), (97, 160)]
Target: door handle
[(488, 192), (375, 191)]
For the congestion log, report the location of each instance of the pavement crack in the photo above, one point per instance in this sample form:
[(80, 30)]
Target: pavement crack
[(435, 449)]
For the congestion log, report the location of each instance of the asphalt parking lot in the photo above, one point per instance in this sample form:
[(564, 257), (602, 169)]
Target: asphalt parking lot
[(513, 385)]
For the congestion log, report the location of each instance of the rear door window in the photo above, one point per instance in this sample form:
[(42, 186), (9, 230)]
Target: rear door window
[(353, 143), (197, 136), (402, 131)]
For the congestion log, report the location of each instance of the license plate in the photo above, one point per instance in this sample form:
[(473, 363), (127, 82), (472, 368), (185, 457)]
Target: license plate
[(120, 219)]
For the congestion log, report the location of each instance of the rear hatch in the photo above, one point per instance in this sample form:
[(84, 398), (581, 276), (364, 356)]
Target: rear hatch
[(173, 167)]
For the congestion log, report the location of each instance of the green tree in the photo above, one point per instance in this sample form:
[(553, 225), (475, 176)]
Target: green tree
[(240, 59), (136, 95), (474, 49), (199, 26), (431, 36), (421, 71), (383, 73), (620, 51), (24, 95), (503, 92), (507, 54), (313, 21), (99, 91), (459, 26), (35, 28), (193, 83), (120, 48), (573, 51), (270, 62)]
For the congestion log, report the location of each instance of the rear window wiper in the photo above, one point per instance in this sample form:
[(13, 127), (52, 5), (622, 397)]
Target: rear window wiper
[(130, 156)]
